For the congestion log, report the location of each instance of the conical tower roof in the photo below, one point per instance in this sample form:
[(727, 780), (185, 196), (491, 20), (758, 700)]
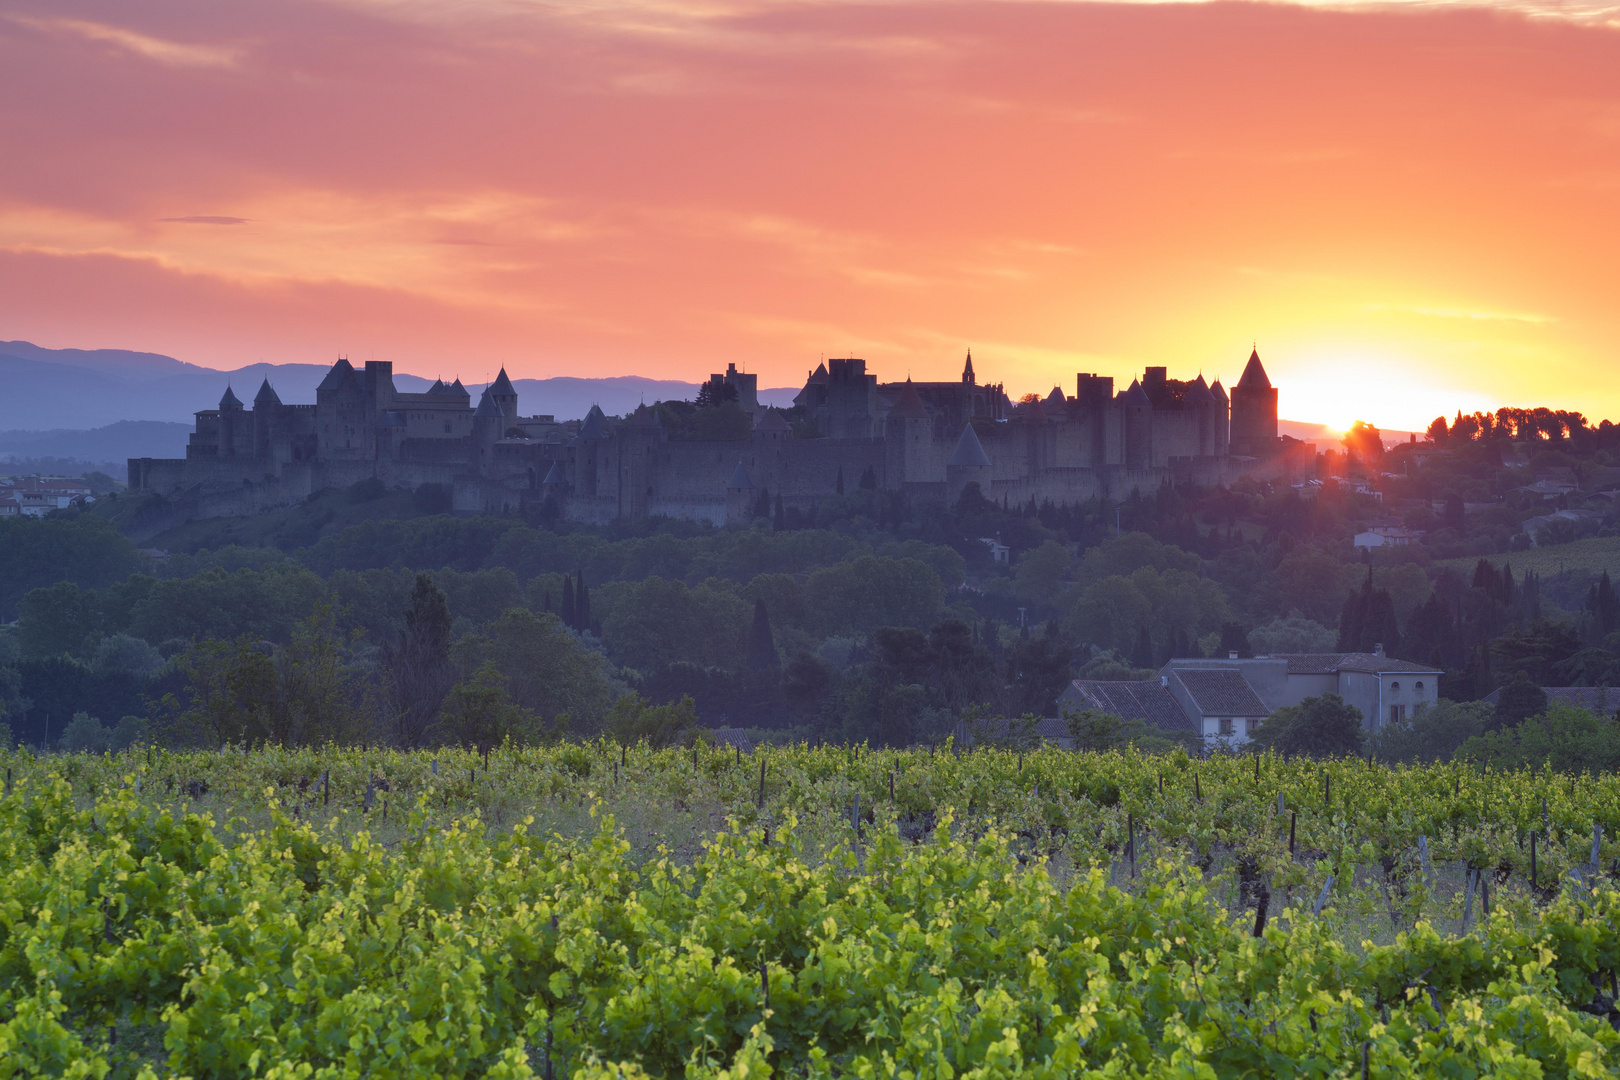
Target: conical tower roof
[(1254, 374), (909, 405), (502, 385), (739, 479), (554, 475), (438, 387), (458, 390), (488, 406), (230, 400), (341, 374), (969, 451), (1198, 393), (774, 421), (1056, 399), (1136, 396), (1218, 392), (266, 395), (595, 425)]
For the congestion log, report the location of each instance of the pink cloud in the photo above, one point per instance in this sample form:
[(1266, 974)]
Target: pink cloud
[(662, 188)]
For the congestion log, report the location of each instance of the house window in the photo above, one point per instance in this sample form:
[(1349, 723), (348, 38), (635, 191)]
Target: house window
[(1394, 687), (1418, 687), (1226, 725), (447, 427), (1396, 713)]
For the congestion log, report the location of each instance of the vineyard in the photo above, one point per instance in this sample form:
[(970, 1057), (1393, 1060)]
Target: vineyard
[(594, 911)]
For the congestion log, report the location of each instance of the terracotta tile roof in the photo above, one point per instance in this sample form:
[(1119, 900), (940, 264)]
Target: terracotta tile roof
[(1129, 701), (1221, 692), (1332, 663)]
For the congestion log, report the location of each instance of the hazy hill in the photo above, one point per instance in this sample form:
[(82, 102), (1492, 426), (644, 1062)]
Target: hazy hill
[(79, 389), (111, 444)]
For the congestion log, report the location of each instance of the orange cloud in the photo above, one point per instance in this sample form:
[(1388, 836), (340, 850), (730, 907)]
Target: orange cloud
[(1411, 207)]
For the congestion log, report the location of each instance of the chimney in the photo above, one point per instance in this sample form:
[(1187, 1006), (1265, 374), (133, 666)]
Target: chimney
[(1231, 654), (1378, 649)]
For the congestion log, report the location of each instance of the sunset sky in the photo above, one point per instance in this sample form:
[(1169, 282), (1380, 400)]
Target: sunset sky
[(1412, 208)]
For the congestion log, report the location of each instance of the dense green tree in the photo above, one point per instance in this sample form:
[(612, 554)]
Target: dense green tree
[(1432, 734), (1038, 670), (1318, 726), (320, 698), (655, 622), (124, 652), (1095, 730), (479, 712), (1518, 700), (262, 604), (632, 721), (859, 596), (761, 642), (547, 672), (1291, 635), (1563, 737), (62, 620), (1537, 650), (1039, 574), (231, 695), (418, 671), (83, 549)]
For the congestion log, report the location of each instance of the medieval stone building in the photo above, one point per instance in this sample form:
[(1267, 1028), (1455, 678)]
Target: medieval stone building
[(846, 430)]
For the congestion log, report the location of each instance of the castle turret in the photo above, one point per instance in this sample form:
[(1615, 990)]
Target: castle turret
[(489, 422), (1137, 413), (233, 425), (1201, 403), (739, 497), (908, 436), (266, 420), (968, 464), (1254, 411), (1223, 419), (505, 395), (588, 453)]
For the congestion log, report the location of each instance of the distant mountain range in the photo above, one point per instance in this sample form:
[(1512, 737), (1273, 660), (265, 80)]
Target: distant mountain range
[(105, 405)]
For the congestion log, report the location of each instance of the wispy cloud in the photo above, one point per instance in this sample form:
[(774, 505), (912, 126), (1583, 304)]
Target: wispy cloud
[(207, 219), (160, 50), (1466, 313)]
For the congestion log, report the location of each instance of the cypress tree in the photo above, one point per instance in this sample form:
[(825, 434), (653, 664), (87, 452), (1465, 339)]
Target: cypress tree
[(582, 603), (779, 515), (1142, 656), (839, 485), (761, 642), (568, 605)]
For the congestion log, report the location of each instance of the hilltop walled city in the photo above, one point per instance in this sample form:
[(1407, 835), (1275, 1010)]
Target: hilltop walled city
[(844, 429)]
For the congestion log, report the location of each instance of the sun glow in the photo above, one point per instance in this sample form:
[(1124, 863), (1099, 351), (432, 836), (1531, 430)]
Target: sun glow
[(1336, 387)]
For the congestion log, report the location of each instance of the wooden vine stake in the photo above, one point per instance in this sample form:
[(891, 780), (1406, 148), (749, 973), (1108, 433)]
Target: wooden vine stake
[(1532, 862), (1322, 897), (1293, 818), (762, 781), (1130, 842), (1260, 911)]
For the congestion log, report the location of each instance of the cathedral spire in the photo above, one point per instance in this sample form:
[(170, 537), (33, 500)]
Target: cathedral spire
[(967, 370)]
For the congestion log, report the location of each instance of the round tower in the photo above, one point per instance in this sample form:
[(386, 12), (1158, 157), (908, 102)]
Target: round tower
[(1254, 411)]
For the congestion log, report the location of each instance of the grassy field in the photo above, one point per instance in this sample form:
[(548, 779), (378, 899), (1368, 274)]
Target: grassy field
[(1590, 556)]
